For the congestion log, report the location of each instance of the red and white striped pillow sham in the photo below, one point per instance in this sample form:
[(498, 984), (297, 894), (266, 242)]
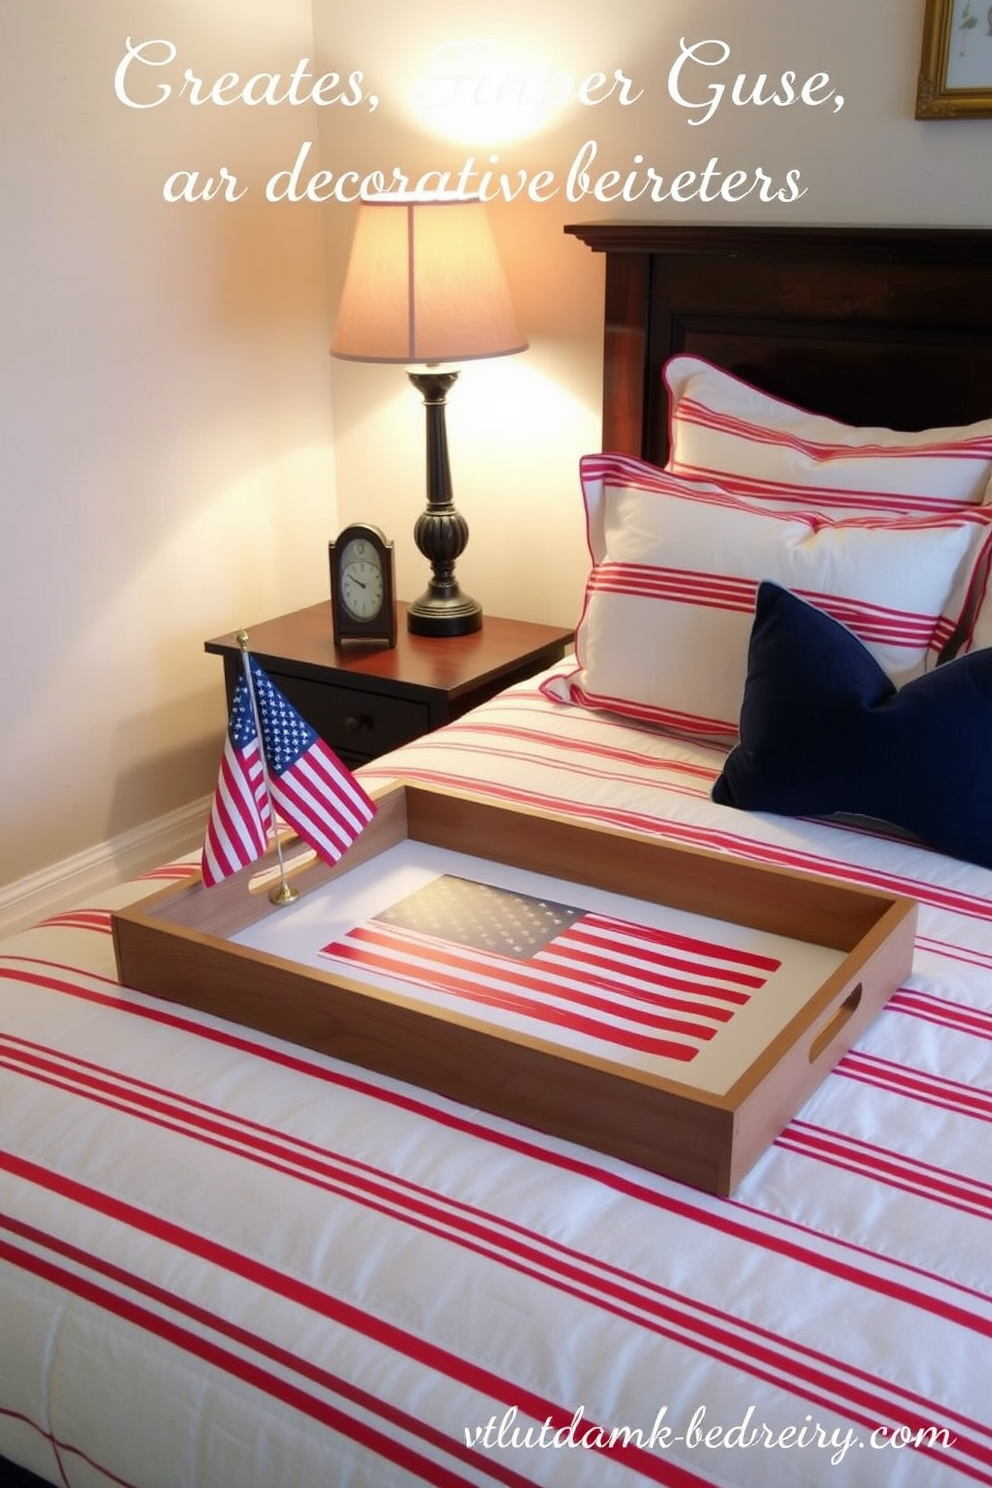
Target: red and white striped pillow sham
[(670, 599), (755, 445)]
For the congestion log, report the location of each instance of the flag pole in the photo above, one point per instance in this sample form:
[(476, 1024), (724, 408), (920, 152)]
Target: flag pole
[(284, 893)]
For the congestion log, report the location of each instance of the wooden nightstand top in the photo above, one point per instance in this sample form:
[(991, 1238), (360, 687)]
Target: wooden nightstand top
[(301, 643)]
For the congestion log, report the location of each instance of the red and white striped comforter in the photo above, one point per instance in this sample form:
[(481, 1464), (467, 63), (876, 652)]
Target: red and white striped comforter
[(230, 1262)]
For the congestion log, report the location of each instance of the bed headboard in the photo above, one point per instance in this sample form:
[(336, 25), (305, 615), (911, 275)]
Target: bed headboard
[(882, 326)]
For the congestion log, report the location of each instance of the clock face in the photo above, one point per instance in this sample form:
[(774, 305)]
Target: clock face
[(361, 579), (363, 586)]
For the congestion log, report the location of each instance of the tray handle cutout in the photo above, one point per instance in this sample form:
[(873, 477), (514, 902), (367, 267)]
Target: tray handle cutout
[(830, 1031)]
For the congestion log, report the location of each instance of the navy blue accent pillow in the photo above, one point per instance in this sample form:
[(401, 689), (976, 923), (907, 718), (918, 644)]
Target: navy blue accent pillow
[(824, 730)]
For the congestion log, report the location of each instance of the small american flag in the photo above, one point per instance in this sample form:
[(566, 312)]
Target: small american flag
[(626, 985), (308, 786)]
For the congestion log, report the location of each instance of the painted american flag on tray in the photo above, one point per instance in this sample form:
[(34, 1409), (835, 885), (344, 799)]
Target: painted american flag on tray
[(629, 986)]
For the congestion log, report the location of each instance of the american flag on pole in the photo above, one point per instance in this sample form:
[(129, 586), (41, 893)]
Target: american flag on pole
[(625, 985), (300, 778)]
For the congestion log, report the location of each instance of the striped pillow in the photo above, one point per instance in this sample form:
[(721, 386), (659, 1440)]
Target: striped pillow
[(755, 445), (669, 603)]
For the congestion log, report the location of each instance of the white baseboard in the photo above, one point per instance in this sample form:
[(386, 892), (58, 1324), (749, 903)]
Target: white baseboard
[(72, 880)]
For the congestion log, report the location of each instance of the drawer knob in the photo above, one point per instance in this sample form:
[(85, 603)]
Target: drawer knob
[(355, 723)]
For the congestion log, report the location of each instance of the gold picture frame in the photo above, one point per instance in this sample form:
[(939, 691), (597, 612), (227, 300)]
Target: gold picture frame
[(955, 79)]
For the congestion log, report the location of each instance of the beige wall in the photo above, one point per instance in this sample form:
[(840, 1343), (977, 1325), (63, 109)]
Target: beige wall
[(166, 448), (170, 464)]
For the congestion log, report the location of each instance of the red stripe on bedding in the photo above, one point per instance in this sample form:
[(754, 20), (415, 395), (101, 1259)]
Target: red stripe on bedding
[(431, 1356), (735, 595), (561, 742), (696, 725), (946, 1014), (894, 1169), (683, 585), (658, 769), (969, 955), (765, 1355), (917, 1085), (271, 1385), (973, 906), (977, 447), (591, 758), (622, 472), (80, 919), (653, 774), (795, 493), (723, 1216), (733, 1224), (177, 871)]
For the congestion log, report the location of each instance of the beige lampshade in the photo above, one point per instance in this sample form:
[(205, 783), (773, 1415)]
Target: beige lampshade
[(424, 284)]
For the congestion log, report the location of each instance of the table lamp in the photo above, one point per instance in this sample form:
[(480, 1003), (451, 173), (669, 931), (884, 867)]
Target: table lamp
[(425, 286)]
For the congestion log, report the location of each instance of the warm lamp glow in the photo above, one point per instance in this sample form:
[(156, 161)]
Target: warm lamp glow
[(425, 285)]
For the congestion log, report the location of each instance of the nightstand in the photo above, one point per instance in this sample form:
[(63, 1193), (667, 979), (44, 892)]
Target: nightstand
[(367, 699)]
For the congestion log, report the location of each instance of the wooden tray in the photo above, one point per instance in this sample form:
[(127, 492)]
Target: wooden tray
[(701, 1121)]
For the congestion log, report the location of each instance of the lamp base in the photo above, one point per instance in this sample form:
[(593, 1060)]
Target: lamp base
[(450, 615), (441, 532)]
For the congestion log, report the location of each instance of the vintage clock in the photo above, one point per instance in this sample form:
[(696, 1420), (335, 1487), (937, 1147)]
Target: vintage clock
[(363, 599)]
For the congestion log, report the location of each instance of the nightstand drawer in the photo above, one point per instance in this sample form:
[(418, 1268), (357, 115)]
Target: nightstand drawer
[(367, 700), (358, 725)]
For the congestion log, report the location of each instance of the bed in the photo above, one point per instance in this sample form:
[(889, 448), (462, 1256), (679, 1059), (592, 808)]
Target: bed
[(232, 1261)]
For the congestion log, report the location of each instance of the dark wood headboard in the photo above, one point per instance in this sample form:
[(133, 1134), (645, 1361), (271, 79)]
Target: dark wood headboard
[(882, 326)]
